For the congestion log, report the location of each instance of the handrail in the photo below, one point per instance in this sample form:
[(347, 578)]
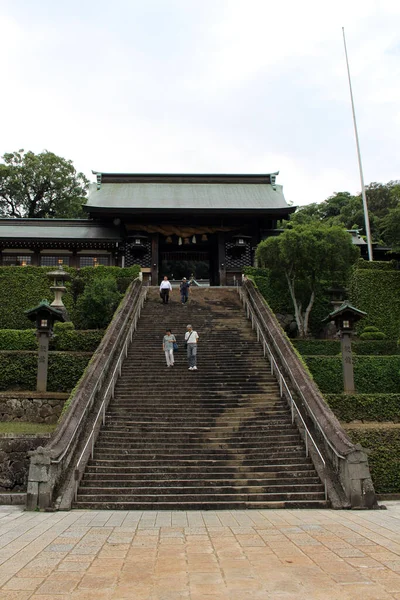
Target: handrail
[(299, 390), (111, 385), (282, 380), (96, 386)]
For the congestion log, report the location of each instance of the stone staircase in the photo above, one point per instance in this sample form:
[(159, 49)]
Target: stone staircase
[(219, 437)]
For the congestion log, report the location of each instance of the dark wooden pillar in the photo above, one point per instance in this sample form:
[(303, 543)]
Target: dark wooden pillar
[(221, 258), (154, 259), (74, 259)]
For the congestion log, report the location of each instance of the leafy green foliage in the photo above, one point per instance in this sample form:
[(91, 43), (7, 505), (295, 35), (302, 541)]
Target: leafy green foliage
[(317, 347), (18, 339), (308, 257), (22, 288), (345, 210), (77, 341), (332, 347), (98, 302), (376, 265), (40, 186), (384, 457), (372, 374), (365, 407), (377, 293), (18, 370)]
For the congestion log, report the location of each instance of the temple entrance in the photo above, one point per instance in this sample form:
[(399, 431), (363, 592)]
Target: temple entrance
[(179, 264)]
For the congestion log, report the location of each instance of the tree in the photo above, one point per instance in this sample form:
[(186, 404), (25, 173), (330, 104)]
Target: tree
[(391, 229), (40, 186), (98, 302), (308, 256)]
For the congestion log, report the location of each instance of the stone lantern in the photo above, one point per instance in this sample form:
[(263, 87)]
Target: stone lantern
[(45, 316), (59, 277), (345, 317)]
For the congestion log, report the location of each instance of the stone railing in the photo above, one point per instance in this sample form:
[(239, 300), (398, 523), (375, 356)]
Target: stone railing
[(347, 471), (51, 473)]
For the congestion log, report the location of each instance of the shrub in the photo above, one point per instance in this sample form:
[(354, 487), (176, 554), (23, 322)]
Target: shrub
[(18, 370), (372, 374), (384, 457), (359, 347), (372, 335), (97, 304), (365, 407)]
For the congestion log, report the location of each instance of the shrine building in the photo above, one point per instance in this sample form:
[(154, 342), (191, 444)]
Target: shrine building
[(207, 226)]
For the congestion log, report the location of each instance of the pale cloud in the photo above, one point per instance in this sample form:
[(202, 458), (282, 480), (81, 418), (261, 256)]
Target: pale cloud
[(206, 86)]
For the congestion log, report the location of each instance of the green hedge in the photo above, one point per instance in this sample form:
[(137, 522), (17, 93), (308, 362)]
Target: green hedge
[(64, 340), (377, 265), (384, 457), (317, 347), (372, 374), (18, 339), (18, 370), (360, 347), (365, 407), (22, 288), (377, 292), (77, 341)]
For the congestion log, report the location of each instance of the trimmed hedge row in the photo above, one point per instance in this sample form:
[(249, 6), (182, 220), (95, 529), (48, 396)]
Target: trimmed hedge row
[(365, 407), (360, 347), (377, 292), (77, 341), (372, 374), (18, 339), (18, 370), (64, 340), (384, 458), (22, 288), (377, 265)]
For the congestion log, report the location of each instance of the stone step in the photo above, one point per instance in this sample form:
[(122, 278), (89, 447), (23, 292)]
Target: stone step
[(201, 497), (302, 465), (91, 480)]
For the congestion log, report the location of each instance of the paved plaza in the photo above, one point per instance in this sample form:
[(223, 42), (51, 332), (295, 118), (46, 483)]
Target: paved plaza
[(223, 555)]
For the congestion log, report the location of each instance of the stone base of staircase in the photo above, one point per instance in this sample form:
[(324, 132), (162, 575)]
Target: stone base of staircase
[(220, 437)]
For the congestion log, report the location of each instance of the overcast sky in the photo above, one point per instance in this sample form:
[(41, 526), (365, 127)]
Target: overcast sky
[(206, 86)]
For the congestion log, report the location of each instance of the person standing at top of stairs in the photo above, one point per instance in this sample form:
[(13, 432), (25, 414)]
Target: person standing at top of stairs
[(184, 290), (165, 289), (191, 338)]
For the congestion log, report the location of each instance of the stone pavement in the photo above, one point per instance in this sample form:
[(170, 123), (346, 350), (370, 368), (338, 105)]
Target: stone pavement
[(223, 555)]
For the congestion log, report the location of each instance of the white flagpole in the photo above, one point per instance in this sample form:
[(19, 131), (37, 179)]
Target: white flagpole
[(364, 197)]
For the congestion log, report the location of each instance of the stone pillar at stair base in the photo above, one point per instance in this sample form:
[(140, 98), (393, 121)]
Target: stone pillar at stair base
[(357, 480), (39, 487)]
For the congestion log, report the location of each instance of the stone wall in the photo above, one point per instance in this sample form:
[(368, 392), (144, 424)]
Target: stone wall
[(14, 459), (31, 407)]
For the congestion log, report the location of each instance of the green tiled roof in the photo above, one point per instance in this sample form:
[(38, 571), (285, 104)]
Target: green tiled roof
[(47, 229), (187, 196)]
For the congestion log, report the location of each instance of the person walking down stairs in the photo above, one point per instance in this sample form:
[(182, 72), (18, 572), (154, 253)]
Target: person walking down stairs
[(168, 347), (191, 338), (165, 289)]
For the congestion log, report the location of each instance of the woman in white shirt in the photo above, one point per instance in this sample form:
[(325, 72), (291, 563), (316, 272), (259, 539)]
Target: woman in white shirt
[(165, 289)]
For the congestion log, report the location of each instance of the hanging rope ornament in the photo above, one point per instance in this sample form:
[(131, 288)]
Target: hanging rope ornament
[(180, 242), (194, 239)]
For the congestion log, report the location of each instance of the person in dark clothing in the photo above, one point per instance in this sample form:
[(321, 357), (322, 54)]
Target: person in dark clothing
[(184, 290)]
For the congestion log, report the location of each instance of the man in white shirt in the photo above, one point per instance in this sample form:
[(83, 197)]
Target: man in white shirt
[(165, 289), (191, 338)]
